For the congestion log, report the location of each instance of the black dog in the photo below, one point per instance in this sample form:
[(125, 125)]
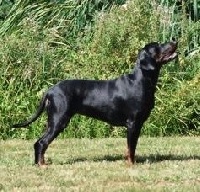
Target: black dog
[(126, 101)]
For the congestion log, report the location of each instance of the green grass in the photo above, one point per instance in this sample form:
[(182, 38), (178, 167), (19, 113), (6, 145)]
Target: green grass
[(163, 164)]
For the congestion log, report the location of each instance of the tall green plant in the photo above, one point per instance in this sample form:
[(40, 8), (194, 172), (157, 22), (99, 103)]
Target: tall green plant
[(68, 18), (38, 47)]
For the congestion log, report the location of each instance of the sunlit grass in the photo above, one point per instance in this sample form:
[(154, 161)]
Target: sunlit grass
[(163, 164)]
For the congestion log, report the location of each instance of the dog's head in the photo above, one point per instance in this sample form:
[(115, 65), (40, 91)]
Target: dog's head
[(154, 55)]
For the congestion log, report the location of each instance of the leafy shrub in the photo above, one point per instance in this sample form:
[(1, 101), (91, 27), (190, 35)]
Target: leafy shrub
[(177, 110), (42, 43)]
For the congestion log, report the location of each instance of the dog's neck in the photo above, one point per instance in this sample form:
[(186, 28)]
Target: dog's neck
[(149, 75)]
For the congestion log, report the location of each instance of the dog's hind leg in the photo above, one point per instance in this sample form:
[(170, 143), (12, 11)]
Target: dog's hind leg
[(58, 119), (42, 144)]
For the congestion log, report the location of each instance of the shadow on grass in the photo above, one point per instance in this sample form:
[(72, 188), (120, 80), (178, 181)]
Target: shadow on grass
[(108, 158), (152, 158)]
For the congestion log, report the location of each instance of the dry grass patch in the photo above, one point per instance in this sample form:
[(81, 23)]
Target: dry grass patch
[(163, 164)]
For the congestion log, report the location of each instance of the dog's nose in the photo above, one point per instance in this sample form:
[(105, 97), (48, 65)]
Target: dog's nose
[(173, 39), (173, 42)]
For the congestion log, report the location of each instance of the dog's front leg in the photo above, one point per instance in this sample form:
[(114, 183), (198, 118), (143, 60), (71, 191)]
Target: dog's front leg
[(133, 132)]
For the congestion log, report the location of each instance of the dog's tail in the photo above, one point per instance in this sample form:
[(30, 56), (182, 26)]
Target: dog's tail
[(35, 116)]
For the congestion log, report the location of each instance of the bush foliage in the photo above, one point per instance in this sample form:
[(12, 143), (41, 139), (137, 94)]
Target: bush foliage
[(46, 41)]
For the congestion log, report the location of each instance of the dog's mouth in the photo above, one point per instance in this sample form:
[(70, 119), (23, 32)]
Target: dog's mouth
[(171, 56)]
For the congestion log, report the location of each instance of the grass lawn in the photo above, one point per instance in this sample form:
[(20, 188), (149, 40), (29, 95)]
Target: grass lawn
[(163, 164)]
